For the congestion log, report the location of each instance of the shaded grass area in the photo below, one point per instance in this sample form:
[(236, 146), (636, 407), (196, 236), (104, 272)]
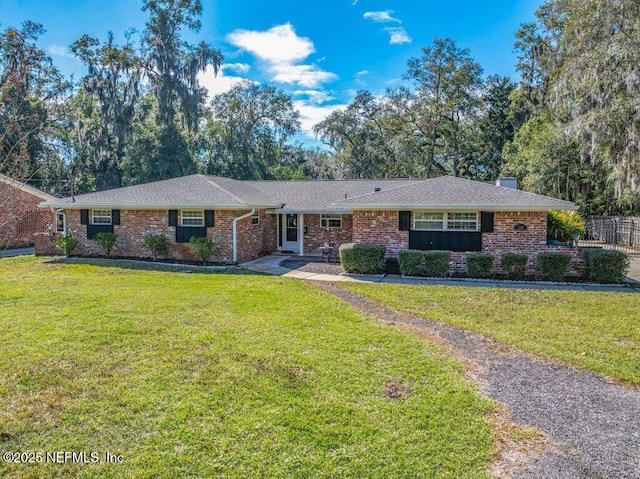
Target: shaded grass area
[(222, 375), (598, 331)]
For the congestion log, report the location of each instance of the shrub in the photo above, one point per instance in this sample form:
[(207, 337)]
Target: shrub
[(554, 265), (479, 265), (67, 244), (424, 263), (202, 247), (107, 241), (515, 265), (606, 266), (157, 244), (561, 224), (360, 258)]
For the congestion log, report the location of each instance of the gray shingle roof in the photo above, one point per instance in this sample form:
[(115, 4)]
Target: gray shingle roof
[(200, 191), (308, 196), (455, 193)]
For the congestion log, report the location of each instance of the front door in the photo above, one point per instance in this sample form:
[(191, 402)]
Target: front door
[(289, 231)]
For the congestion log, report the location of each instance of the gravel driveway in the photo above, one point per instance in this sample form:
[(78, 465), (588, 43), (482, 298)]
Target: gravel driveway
[(592, 425)]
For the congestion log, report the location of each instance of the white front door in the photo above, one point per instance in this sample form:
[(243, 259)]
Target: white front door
[(290, 231)]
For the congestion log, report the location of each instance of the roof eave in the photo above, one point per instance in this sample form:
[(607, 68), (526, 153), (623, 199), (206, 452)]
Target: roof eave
[(453, 207), (80, 206)]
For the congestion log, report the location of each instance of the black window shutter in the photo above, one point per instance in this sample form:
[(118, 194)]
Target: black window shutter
[(208, 218), (173, 217), (486, 221), (84, 217), (404, 220), (115, 217)]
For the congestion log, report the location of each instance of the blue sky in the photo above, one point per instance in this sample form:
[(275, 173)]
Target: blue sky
[(319, 52)]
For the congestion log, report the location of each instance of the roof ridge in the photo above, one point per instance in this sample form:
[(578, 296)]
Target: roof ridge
[(386, 191), (209, 180)]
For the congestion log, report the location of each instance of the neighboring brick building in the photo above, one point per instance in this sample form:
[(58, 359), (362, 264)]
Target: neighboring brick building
[(20, 217), (248, 219)]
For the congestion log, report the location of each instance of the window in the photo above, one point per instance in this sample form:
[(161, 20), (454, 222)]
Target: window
[(255, 218), (462, 221), (60, 222), (331, 221), (192, 218), (427, 220), (100, 217)]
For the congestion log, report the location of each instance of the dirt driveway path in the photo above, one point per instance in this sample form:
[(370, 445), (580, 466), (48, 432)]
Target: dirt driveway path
[(592, 425)]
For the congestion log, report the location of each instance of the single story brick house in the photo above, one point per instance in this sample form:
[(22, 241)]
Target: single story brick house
[(248, 219), (20, 217)]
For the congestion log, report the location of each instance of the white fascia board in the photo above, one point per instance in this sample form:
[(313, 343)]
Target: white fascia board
[(332, 211), (77, 206), (386, 207)]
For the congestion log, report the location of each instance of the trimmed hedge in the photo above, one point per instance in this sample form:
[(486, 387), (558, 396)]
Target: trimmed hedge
[(515, 265), (606, 266), (424, 263), (554, 265), (479, 265), (361, 258)]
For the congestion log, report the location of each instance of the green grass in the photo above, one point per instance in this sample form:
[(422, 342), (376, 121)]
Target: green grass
[(598, 331), (221, 375)]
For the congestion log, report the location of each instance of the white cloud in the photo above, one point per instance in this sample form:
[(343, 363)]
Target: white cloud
[(398, 35), (282, 50), (61, 52), (279, 44), (362, 73), (313, 114), (309, 76), (236, 67), (217, 84), (383, 16), (316, 97)]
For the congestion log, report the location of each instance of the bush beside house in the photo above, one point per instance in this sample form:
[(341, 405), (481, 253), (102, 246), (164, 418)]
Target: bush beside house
[(479, 265), (360, 258), (554, 266), (433, 263), (606, 266)]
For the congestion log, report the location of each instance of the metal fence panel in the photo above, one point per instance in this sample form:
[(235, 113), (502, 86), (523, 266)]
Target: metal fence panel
[(613, 232)]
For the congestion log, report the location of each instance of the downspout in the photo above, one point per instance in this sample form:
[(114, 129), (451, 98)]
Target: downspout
[(235, 233)]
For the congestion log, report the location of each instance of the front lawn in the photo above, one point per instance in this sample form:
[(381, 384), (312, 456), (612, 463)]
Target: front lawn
[(593, 330), (221, 375)]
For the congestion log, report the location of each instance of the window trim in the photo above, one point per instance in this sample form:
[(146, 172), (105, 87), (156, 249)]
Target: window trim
[(182, 218), (446, 221), (255, 218), (94, 216), (326, 218), (63, 216)]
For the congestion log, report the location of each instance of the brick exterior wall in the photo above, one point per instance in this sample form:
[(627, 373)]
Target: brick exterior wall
[(20, 217), (317, 236), (380, 227), (253, 240)]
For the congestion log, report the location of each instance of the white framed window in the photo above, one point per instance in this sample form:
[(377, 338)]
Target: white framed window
[(100, 217), (331, 221), (192, 218), (255, 218), (462, 221), (442, 221), (428, 220)]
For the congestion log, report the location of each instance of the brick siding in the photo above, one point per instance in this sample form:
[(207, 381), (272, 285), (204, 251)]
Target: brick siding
[(380, 227), (253, 240), (317, 236), (20, 217)]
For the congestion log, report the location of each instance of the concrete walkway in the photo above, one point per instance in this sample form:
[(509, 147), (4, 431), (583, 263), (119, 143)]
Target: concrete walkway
[(271, 265), (6, 253), (634, 267)]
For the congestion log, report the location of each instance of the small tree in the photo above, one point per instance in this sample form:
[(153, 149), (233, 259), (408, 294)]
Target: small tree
[(107, 241), (157, 244), (203, 247), (66, 243)]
